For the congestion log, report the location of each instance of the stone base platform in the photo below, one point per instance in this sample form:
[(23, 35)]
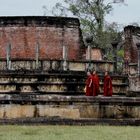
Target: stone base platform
[(78, 110)]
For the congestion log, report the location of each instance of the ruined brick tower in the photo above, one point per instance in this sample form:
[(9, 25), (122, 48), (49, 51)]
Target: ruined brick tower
[(132, 56), (131, 39)]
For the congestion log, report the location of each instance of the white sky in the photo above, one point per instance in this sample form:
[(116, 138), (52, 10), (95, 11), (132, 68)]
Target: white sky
[(126, 14), (121, 14)]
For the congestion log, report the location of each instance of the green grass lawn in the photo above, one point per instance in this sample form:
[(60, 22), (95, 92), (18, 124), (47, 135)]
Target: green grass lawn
[(69, 133)]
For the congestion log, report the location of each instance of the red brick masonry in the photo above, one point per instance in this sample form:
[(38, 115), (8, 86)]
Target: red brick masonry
[(51, 33)]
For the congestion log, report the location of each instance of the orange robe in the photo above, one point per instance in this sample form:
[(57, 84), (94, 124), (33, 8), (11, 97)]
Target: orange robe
[(107, 86), (89, 88), (95, 79)]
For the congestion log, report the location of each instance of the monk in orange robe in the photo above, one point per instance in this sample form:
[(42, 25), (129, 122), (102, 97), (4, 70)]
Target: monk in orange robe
[(96, 80), (107, 85), (89, 83)]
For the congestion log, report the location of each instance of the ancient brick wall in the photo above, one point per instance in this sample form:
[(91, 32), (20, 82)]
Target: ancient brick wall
[(51, 33), (132, 37)]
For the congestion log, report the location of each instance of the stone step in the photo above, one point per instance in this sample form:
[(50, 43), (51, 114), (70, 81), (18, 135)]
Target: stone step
[(72, 99), (16, 92), (54, 83), (62, 74), (59, 83), (66, 121), (53, 79), (55, 86), (120, 92), (55, 89), (66, 93)]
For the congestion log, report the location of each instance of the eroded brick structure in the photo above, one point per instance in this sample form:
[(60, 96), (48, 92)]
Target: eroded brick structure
[(51, 33), (132, 38)]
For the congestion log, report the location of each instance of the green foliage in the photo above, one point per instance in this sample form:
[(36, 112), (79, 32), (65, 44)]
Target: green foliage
[(120, 53), (92, 17)]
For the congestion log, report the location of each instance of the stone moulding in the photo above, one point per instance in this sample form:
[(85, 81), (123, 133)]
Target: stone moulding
[(56, 65), (73, 108)]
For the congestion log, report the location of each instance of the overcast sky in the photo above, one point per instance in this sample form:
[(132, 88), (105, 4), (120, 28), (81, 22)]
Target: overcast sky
[(121, 14)]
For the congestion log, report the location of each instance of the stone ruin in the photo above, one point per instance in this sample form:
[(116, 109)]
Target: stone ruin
[(132, 57), (42, 75)]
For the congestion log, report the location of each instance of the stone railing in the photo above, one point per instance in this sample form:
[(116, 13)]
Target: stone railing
[(55, 65)]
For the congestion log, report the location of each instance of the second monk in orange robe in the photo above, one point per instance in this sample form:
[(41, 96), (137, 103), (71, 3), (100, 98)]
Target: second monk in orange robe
[(95, 80), (107, 85)]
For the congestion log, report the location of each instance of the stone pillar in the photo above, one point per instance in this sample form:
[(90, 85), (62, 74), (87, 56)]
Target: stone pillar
[(114, 45), (8, 56), (138, 46), (88, 55), (89, 52), (65, 58), (37, 55)]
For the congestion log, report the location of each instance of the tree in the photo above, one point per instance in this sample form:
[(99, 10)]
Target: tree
[(91, 14), (109, 35)]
